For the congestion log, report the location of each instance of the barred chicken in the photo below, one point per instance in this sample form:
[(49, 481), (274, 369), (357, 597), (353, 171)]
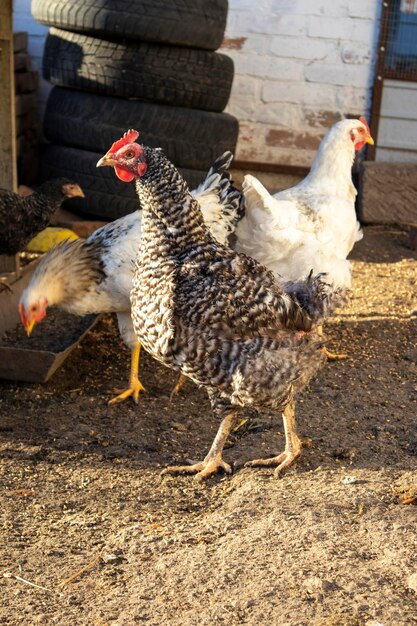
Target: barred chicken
[(95, 275), (217, 316), (22, 217), (312, 225)]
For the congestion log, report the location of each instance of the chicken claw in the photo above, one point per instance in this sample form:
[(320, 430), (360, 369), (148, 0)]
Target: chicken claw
[(333, 356), (293, 445), (133, 391), (4, 285), (202, 470), (283, 460), (135, 386), (213, 461)]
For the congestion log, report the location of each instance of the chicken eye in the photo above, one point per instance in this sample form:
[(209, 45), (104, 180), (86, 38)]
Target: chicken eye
[(33, 307), (129, 154), (361, 130)]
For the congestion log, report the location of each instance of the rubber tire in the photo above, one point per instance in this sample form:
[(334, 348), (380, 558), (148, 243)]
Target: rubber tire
[(190, 138), (185, 77), (105, 195), (194, 23)]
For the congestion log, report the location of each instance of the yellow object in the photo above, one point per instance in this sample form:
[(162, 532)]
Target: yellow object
[(48, 238)]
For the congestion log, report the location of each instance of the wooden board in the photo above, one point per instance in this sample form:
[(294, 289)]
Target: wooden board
[(388, 192), (8, 175)]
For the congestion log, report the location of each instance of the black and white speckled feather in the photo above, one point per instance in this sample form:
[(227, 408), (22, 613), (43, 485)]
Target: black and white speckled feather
[(216, 315), (95, 275)]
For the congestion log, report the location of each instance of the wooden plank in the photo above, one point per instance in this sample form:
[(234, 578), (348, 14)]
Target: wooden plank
[(397, 133), (388, 193), (392, 155), (8, 164), (8, 177), (399, 102)]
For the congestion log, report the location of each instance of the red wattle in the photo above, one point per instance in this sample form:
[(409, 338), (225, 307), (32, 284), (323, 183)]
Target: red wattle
[(125, 176), (359, 145)]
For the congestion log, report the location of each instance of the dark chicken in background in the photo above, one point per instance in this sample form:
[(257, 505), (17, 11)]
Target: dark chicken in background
[(23, 217), (216, 315)]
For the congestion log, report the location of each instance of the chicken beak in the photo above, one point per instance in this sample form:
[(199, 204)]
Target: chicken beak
[(106, 160), (29, 327), (369, 140)]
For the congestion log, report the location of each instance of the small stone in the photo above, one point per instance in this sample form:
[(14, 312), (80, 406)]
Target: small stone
[(412, 582), (349, 480)]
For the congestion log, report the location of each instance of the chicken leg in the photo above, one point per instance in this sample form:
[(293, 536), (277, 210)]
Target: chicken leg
[(4, 285), (331, 356), (180, 384), (293, 445), (135, 386), (213, 461)]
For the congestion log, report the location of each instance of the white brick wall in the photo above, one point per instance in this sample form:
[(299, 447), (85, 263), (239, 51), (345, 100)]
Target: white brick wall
[(300, 66)]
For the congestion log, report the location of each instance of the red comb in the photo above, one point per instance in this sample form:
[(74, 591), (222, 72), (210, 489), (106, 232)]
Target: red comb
[(130, 136), (365, 123)]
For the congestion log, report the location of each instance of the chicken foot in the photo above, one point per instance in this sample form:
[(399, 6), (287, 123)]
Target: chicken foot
[(135, 386), (293, 445), (180, 384), (4, 285), (331, 356), (213, 461)]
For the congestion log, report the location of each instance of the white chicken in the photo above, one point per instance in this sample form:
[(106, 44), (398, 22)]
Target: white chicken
[(313, 225), (95, 275)]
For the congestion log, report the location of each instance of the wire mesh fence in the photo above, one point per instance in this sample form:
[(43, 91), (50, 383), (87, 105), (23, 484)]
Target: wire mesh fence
[(400, 59)]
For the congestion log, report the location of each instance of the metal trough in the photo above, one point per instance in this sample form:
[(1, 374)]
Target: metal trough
[(33, 366)]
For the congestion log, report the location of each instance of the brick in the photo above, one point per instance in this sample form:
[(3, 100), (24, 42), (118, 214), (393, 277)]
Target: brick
[(289, 25), (302, 48), (243, 107), (364, 10), (352, 100), (233, 43), (285, 69), (238, 24), (247, 5), (353, 75), (249, 64), (341, 28), (321, 118), (356, 53), (312, 7), (252, 147), (292, 139), (246, 86), (281, 113), (306, 93), (257, 44)]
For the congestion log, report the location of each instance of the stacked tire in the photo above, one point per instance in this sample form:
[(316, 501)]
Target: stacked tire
[(144, 64)]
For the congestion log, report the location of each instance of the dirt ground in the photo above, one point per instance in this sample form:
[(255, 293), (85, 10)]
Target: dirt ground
[(331, 543)]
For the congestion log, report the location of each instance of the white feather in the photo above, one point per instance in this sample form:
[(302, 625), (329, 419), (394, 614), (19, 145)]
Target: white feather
[(311, 226)]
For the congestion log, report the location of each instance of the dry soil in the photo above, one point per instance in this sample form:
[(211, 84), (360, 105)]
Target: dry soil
[(86, 515)]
